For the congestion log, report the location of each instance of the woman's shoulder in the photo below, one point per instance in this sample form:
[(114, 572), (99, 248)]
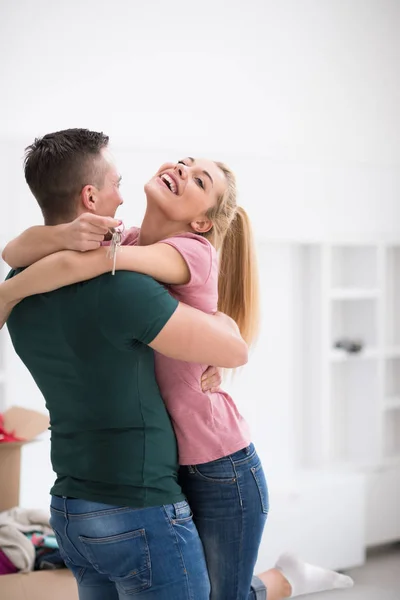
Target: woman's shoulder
[(194, 241), (198, 253)]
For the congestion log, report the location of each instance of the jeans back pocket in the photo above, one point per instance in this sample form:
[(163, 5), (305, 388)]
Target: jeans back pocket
[(124, 558)]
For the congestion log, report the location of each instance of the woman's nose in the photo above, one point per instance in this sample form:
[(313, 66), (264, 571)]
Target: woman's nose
[(181, 170)]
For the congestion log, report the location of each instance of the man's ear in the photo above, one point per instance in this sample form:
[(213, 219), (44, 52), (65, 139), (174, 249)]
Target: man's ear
[(201, 225), (89, 197)]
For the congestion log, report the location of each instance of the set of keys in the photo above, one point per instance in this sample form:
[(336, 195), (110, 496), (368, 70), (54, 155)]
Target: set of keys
[(115, 244)]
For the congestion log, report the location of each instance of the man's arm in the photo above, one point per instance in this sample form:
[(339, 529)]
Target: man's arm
[(84, 233), (135, 307), (194, 336)]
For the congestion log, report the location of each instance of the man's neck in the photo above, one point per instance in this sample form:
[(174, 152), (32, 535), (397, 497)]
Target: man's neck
[(155, 228)]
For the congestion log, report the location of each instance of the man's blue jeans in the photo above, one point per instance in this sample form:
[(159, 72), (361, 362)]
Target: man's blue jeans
[(119, 553)]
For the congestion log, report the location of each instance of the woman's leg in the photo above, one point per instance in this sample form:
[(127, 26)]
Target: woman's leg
[(229, 499), (301, 578)]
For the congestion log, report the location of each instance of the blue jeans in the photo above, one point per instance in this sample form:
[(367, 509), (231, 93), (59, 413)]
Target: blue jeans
[(229, 499), (118, 553)]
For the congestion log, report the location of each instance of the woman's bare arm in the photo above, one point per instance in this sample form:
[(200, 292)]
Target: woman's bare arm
[(85, 233), (160, 261)]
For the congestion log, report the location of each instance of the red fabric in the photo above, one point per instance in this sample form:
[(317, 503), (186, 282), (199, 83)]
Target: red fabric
[(7, 436)]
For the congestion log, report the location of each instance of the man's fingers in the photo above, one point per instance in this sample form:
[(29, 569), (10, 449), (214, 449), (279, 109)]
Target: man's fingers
[(103, 222), (86, 246), (95, 236)]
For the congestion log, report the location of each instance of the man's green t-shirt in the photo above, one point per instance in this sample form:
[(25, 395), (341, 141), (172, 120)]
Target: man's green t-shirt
[(85, 345)]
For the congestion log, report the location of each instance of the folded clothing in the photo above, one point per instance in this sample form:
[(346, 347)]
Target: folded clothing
[(6, 566), (47, 559), (14, 525)]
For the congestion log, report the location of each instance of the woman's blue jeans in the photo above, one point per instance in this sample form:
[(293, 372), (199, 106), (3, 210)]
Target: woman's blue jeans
[(229, 500)]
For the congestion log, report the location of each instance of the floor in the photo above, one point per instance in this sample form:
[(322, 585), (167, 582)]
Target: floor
[(379, 579)]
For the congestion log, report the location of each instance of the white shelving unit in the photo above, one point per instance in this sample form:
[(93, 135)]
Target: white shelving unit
[(351, 401)]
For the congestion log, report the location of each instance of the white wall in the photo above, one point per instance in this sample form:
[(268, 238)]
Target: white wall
[(315, 79), (301, 97)]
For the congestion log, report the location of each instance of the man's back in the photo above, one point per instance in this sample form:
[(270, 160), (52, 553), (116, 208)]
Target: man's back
[(112, 439)]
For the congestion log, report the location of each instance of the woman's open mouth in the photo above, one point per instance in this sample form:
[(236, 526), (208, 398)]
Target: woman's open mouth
[(169, 182)]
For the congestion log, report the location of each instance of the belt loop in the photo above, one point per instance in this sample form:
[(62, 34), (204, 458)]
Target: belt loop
[(180, 510)]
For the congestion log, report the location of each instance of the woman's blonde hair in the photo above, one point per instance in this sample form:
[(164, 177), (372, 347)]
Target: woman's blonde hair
[(232, 236)]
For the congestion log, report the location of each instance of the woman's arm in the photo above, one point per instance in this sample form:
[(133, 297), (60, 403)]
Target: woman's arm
[(160, 261), (85, 233)]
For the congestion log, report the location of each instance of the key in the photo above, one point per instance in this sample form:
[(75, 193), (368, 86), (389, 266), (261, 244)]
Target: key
[(115, 245)]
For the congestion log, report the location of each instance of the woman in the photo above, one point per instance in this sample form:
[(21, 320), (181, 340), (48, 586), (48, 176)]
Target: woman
[(191, 215)]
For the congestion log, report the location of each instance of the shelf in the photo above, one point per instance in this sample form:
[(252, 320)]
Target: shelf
[(392, 403), (354, 294), (391, 435), (354, 266), (391, 461), (355, 321), (392, 298), (354, 415), (393, 352), (365, 354)]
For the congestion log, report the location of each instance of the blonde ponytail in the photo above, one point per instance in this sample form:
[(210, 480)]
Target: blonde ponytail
[(238, 285), (232, 236)]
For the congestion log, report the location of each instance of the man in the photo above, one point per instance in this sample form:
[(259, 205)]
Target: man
[(122, 523)]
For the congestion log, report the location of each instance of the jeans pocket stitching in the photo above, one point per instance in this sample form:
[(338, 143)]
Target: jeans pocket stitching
[(81, 574), (178, 521), (263, 499), (227, 481), (130, 535), (92, 542), (107, 512)]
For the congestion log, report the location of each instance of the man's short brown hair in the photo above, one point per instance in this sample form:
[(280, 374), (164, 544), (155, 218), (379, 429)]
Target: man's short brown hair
[(59, 165)]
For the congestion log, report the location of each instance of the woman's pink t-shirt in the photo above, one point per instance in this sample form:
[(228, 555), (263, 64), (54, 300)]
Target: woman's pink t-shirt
[(207, 426)]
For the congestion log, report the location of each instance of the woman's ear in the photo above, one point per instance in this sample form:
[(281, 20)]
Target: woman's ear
[(89, 197), (201, 225)]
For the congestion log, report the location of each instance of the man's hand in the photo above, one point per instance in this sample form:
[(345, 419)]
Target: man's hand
[(211, 379), (86, 232)]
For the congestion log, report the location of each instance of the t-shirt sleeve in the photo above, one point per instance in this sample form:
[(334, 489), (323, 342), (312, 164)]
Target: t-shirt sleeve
[(131, 236), (197, 253), (133, 307)]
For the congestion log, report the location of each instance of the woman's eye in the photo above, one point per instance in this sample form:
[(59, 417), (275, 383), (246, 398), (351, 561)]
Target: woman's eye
[(199, 182), (180, 162)]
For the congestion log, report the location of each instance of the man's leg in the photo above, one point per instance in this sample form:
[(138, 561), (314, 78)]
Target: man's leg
[(153, 552)]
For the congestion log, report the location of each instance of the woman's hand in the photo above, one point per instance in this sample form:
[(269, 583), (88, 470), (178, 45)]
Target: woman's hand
[(211, 379)]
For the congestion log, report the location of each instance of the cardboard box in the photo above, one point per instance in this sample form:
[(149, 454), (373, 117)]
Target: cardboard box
[(26, 425), (38, 585)]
